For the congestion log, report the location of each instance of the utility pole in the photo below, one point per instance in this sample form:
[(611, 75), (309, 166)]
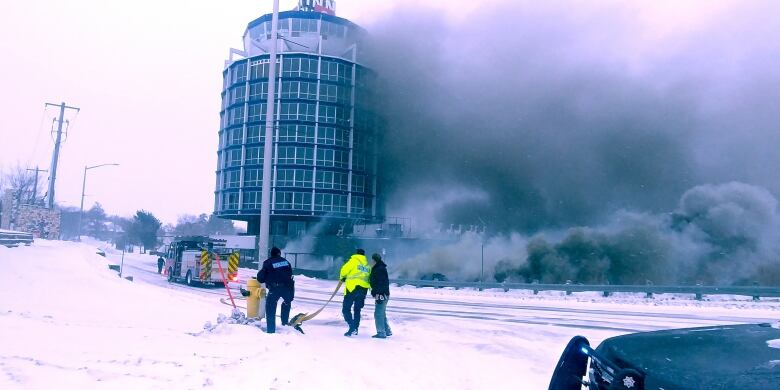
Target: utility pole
[(265, 196), (56, 156), (482, 268), (35, 186)]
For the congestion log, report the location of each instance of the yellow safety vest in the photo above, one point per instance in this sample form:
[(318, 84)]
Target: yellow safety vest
[(355, 272)]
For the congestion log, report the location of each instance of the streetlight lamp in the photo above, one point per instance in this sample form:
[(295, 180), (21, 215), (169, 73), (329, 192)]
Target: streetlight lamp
[(83, 187)]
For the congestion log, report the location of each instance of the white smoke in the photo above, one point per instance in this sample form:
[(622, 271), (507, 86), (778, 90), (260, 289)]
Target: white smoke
[(465, 258)]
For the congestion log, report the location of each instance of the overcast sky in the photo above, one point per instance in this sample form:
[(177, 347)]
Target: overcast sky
[(147, 77)]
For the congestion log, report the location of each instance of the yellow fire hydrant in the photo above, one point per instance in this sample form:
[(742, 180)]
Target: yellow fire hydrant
[(256, 297)]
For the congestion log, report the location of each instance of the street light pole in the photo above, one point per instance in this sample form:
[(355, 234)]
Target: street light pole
[(265, 194), (83, 187), (482, 268)]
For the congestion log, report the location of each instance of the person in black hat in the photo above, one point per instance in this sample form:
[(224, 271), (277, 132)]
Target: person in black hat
[(276, 273)]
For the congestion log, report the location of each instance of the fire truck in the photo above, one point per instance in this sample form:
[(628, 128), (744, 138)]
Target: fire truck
[(192, 260)]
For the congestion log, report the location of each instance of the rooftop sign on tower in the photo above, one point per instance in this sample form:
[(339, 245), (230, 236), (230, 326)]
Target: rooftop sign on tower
[(323, 6)]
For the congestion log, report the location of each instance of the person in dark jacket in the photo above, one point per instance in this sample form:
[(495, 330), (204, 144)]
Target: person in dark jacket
[(380, 291), (160, 264), (276, 273)]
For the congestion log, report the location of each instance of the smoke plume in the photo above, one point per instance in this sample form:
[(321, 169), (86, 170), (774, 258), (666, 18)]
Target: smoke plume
[(574, 135), (722, 234)]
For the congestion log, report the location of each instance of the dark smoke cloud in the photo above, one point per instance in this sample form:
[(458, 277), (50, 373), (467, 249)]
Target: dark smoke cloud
[(725, 234), (547, 119), (538, 107), (519, 102), (718, 234)]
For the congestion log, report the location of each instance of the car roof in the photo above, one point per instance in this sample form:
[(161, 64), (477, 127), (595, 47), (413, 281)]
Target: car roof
[(716, 357)]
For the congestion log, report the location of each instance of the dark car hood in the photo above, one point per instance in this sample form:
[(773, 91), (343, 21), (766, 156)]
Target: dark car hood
[(720, 357)]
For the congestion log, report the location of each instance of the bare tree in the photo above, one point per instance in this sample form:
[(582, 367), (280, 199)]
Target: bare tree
[(2, 182), (22, 182)]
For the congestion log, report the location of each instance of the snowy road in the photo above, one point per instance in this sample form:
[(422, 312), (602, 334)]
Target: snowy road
[(408, 302), (75, 323)]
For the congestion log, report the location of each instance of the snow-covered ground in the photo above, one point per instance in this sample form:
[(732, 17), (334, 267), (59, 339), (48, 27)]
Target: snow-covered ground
[(69, 322)]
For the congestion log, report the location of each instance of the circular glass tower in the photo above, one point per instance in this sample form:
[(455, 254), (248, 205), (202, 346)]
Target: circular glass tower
[(325, 135)]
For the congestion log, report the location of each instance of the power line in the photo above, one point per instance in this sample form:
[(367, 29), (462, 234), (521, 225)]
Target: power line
[(37, 137), (52, 132)]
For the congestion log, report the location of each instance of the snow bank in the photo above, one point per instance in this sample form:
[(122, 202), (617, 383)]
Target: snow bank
[(75, 323), (72, 323)]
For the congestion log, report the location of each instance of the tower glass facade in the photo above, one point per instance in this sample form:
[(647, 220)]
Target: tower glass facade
[(325, 136)]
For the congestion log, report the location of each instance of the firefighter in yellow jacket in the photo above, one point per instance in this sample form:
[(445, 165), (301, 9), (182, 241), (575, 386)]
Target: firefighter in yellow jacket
[(354, 274)]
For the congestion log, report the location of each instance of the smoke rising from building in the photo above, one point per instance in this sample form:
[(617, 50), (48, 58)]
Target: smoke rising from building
[(718, 234), (580, 135)]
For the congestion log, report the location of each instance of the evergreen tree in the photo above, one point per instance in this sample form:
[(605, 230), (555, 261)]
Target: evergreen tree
[(94, 222), (143, 229), (203, 225)]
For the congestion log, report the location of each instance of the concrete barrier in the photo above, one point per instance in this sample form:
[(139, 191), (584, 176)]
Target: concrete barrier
[(13, 239)]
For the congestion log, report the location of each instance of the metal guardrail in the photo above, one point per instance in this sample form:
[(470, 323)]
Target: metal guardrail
[(698, 291), (14, 239)]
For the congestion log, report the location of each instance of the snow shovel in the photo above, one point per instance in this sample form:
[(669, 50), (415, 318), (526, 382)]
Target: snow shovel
[(299, 318)]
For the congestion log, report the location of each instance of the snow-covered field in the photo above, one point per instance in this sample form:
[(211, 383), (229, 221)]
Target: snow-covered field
[(67, 321)]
